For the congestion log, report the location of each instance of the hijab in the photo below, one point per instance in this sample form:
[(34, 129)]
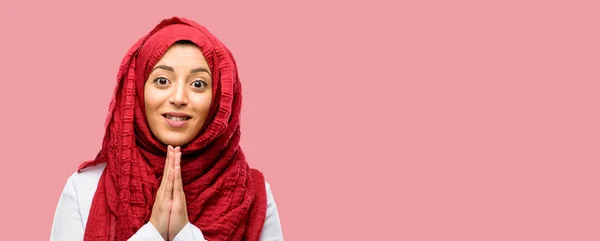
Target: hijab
[(225, 198)]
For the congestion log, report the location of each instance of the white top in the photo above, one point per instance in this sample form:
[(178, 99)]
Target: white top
[(74, 204)]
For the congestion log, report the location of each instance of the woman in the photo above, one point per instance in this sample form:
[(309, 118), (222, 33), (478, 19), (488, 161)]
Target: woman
[(170, 166)]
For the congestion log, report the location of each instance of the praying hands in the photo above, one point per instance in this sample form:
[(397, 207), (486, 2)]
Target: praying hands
[(169, 213)]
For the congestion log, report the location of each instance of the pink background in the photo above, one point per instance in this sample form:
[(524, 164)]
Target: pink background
[(371, 120)]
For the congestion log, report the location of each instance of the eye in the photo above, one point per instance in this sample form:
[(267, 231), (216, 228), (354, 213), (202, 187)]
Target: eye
[(199, 84), (161, 81)]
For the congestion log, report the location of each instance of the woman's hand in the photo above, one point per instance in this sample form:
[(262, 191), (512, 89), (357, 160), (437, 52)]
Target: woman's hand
[(162, 205), (179, 217), (169, 213)]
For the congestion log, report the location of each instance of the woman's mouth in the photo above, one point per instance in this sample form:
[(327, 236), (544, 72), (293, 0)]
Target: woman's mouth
[(176, 120)]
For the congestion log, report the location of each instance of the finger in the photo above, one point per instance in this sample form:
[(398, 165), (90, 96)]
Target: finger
[(174, 151), (161, 188), (178, 184), (178, 194), (168, 176), (180, 179), (168, 194), (177, 157), (167, 165), (182, 193)]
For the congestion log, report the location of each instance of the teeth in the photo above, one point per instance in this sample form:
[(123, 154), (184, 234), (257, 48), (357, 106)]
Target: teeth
[(176, 118)]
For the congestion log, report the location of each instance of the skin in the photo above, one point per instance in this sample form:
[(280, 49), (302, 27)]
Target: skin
[(180, 82)]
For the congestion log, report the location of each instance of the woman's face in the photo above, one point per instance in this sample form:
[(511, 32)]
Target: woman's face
[(178, 95)]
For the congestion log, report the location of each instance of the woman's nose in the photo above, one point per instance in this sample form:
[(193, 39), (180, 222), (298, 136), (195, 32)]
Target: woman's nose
[(179, 97)]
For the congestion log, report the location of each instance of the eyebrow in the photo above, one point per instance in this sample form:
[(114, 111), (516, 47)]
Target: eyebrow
[(169, 68)]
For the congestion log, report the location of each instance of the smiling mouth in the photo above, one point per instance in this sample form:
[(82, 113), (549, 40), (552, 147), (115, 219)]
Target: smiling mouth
[(176, 118)]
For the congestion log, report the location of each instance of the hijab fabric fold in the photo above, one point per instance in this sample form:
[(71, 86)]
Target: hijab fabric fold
[(226, 199)]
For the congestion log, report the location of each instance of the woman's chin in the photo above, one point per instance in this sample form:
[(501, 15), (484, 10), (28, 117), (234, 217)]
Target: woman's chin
[(174, 141)]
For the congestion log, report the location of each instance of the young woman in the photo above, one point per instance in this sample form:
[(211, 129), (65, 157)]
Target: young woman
[(170, 166)]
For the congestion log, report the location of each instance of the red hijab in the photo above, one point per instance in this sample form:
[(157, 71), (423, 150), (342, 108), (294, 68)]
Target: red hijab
[(226, 199)]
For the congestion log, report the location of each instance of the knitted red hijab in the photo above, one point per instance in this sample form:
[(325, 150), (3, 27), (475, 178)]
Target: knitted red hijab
[(226, 199)]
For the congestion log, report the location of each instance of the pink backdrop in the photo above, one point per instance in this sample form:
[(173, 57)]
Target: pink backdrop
[(442, 120)]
